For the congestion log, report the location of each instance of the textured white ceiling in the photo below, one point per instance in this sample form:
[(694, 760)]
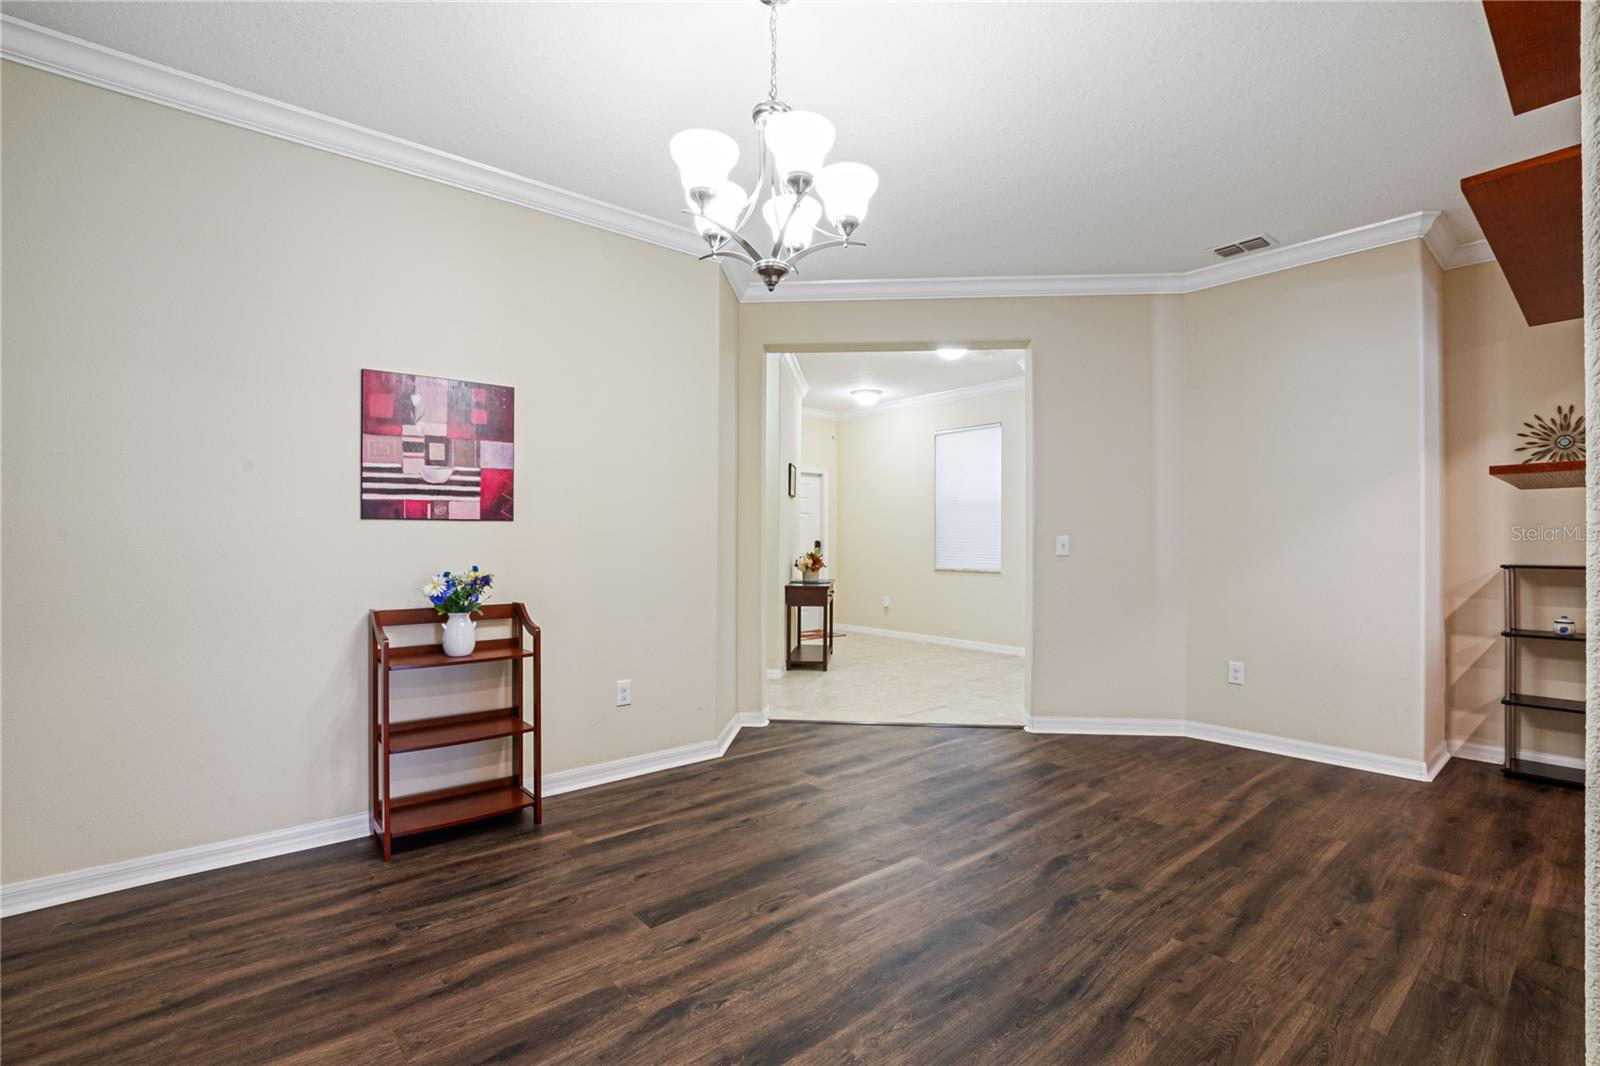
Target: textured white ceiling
[(901, 375), (1012, 138)]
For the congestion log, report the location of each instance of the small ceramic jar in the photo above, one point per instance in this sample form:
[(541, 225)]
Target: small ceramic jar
[(1564, 626)]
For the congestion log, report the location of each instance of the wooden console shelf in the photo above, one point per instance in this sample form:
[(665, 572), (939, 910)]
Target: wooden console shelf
[(396, 816)]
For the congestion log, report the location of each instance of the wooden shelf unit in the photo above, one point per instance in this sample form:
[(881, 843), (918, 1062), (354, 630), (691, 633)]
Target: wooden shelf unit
[(393, 816), (1515, 700)]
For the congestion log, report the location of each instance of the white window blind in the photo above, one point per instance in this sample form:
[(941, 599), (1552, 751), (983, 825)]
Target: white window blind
[(966, 499)]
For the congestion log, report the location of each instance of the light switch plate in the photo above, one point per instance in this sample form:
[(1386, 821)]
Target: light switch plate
[(1063, 544), (625, 693), (1235, 673)]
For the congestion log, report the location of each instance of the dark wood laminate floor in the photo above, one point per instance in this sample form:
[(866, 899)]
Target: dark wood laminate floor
[(833, 894)]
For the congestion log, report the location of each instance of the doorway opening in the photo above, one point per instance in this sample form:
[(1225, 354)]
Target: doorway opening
[(905, 472)]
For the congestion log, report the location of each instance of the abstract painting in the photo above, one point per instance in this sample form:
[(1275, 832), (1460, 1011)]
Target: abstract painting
[(435, 448)]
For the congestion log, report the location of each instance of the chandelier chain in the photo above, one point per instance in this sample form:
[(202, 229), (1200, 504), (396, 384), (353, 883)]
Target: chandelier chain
[(772, 29)]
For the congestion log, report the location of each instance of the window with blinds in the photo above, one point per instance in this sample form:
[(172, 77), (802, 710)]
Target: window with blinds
[(966, 499)]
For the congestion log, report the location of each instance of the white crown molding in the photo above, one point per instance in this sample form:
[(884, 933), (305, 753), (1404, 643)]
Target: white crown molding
[(1427, 226), (58, 53), (927, 399), (817, 412), (23, 896), (792, 365), (35, 46), (1450, 252), (925, 638)]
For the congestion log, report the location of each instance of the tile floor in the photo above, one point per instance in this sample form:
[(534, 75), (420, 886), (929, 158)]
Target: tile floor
[(883, 680)]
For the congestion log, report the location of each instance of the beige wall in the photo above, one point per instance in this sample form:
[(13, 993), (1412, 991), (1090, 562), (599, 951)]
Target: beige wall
[(1097, 613), (886, 525), (1245, 474), (1302, 480), (1499, 372), (187, 308), (188, 305)]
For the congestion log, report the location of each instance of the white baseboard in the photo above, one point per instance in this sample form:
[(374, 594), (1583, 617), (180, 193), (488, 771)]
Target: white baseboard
[(924, 638), (775, 674), (23, 896), (1355, 759), (32, 895), (1413, 769), (1436, 761), (1479, 752), (1120, 727)]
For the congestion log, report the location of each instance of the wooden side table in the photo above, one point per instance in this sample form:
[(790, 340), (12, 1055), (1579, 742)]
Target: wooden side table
[(798, 595)]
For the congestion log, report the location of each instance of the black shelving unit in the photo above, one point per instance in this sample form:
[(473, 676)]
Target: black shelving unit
[(1515, 699)]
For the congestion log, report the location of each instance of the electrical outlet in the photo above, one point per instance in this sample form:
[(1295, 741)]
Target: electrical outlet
[(624, 693), (1063, 544), (1235, 673), (886, 601)]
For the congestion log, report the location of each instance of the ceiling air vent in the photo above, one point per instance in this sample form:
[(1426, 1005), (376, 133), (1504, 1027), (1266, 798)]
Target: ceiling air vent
[(1249, 244)]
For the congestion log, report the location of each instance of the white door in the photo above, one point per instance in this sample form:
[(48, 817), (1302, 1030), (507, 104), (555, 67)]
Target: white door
[(810, 527)]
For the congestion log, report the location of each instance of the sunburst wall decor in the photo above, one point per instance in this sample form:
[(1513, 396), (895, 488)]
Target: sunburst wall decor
[(1556, 440)]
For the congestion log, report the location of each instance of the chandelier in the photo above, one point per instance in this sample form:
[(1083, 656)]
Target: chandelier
[(790, 148)]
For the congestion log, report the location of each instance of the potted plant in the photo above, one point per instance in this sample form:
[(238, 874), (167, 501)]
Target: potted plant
[(810, 565), (458, 597)]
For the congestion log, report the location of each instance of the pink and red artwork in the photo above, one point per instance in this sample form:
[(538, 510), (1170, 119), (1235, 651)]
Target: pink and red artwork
[(435, 448)]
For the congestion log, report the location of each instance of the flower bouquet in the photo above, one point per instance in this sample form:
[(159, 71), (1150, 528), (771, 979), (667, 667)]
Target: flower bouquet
[(810, 565), (458, 596)]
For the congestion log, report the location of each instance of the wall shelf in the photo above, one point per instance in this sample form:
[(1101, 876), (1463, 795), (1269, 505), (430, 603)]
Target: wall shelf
[(1543, 634), (1563, 475), (1544, 703), (1536, 42), (394, 816), (1531, 213)]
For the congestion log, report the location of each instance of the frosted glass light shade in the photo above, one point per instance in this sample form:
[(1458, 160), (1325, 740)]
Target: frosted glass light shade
[(806, 216), (704, 157), (866, 397), (845, 189), (799, 141), (727, 200)]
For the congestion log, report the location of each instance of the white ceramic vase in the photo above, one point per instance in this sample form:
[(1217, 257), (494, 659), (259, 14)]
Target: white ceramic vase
[(460, 634)]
